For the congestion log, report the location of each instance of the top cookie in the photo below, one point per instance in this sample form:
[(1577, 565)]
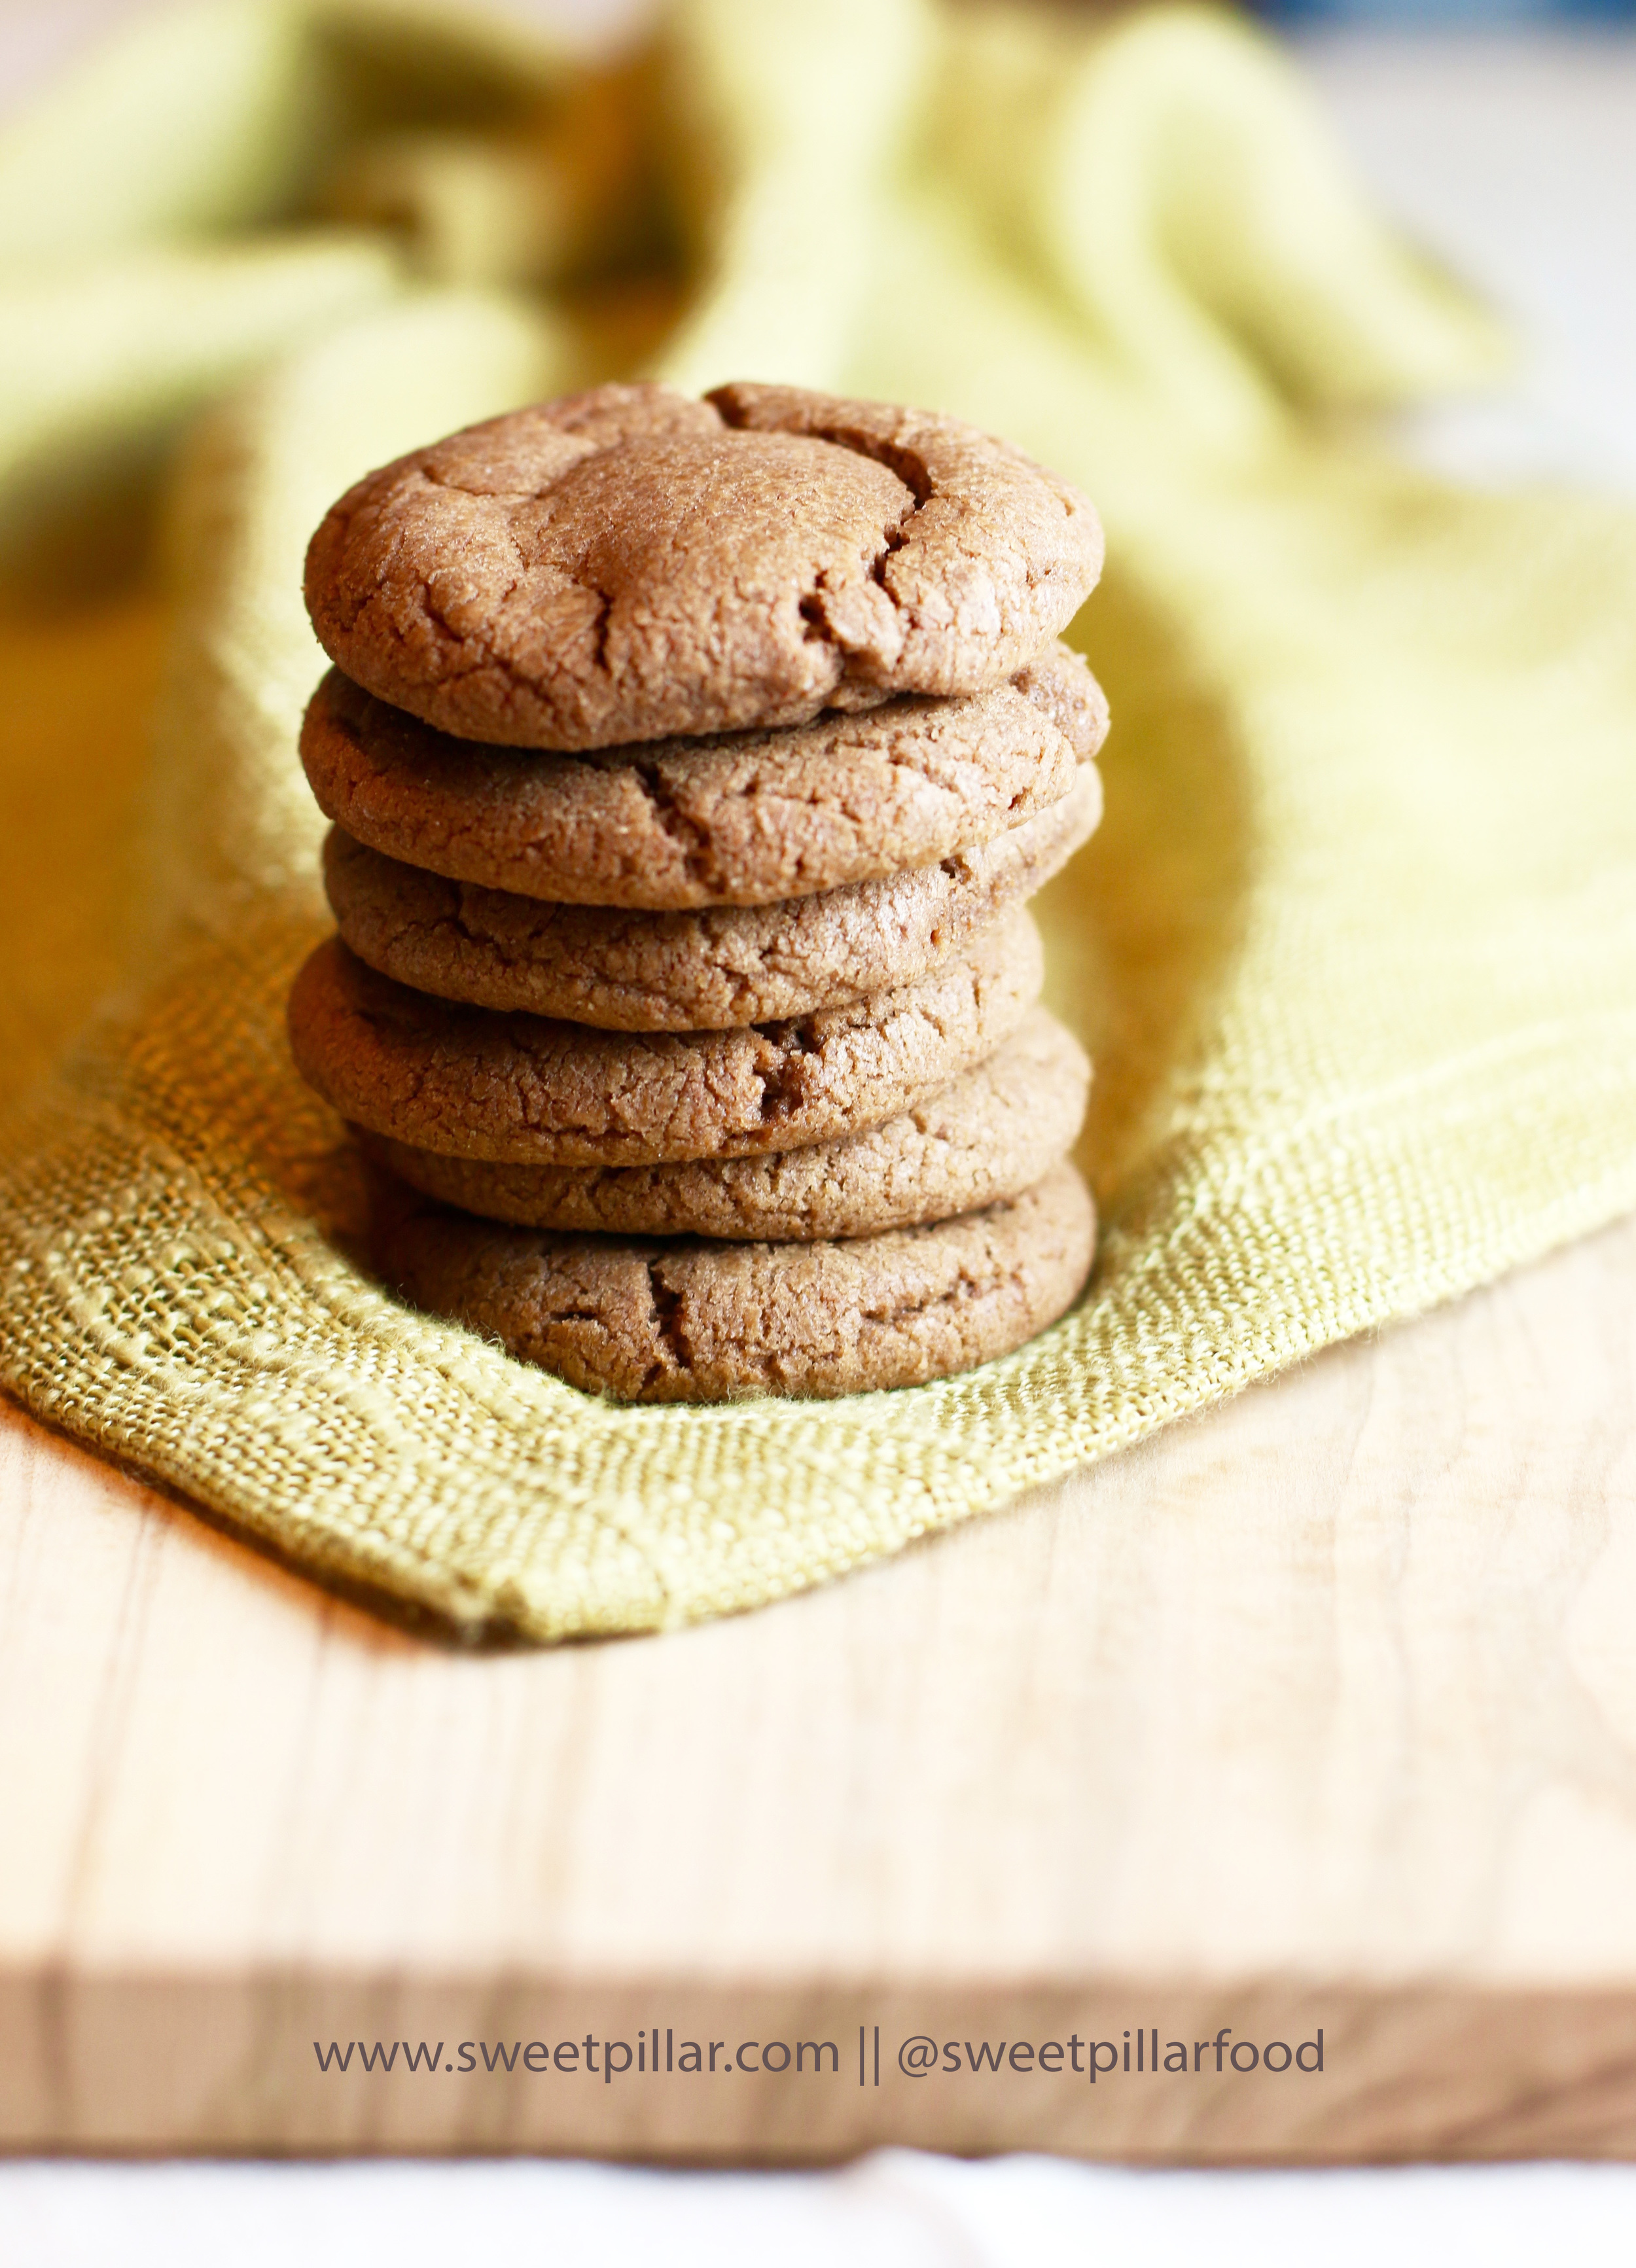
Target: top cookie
[(629, 563)]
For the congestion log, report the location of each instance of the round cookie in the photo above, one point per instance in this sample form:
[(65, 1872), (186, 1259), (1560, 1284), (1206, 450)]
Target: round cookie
[(628, 564), (694, 1320), (743, 819), (641, 972), (531, 1090), (989, 1135)]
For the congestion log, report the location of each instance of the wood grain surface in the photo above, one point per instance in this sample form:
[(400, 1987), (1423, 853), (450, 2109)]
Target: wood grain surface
[(1316, 1712)]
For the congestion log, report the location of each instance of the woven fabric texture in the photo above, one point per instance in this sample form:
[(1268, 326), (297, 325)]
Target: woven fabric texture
[(1355, 950)]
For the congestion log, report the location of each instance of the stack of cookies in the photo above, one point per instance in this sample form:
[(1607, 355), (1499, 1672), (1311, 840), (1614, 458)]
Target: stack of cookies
[(690, 763)]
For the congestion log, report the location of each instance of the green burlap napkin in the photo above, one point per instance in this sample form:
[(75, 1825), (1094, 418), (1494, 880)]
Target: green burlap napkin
[(1355, 951)]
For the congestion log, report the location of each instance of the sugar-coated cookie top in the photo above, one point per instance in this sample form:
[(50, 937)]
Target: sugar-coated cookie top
[(628, 564)]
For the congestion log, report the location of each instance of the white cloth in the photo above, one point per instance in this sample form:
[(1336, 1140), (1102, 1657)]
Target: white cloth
[(897, 2209)]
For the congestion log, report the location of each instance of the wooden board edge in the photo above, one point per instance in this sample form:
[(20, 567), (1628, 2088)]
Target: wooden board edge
[(199, 2063)]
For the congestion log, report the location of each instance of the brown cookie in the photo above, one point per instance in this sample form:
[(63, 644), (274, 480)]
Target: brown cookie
[(639, 972), (533, 1090), (990, 1135), (743, 819), (693, 1320), (629, 563)]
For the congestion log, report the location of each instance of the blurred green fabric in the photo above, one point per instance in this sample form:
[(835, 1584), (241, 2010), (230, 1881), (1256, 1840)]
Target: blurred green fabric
[(1355, 950)]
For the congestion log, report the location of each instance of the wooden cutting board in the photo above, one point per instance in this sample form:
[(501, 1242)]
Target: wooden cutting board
[(1313, 1719)]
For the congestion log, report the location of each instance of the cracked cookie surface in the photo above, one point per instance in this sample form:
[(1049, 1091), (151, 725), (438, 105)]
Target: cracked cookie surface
[(725, 965), (746, 819), (692, 1321), (629, 563), (990, 1134), (473, 1082)]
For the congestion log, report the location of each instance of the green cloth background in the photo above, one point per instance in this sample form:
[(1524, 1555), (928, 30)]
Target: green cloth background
[(1355, 950)]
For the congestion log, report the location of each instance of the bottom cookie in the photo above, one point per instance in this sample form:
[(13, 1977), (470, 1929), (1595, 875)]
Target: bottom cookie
[(686, 1319)]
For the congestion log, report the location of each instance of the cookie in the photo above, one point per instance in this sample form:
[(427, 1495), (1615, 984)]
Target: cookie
[(640, 972), (628, 564), (643, 1320), (532, 1090), (990, 1135), (745, 819)]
